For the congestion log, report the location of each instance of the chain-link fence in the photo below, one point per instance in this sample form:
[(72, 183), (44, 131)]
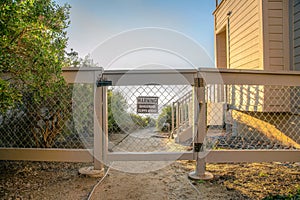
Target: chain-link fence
[(253, 117), (158, 118), (138, 124), (61, 120)]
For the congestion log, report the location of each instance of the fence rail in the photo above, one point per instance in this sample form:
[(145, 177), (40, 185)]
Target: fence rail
[(252, 116)]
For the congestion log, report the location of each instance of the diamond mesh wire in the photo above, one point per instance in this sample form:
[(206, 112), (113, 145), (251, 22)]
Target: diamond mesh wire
[(130, 131), (238, 117), (63, 120), (253, 117)]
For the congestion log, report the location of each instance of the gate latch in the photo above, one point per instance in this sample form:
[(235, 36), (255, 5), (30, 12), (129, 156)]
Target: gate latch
[(197, 147), (101, 82)]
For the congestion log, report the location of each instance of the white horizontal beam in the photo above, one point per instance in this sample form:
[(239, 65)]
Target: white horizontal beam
[(81, 75), (184, 76), (250, 77), (60, 155), (151, 77), (234, 156), (86, 155), (220, 156), (150, 156)]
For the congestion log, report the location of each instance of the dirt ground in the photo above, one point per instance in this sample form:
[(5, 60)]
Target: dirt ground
[(45, 180)]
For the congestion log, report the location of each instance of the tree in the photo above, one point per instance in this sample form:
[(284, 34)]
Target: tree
[(32, 43), (73, 60), (164, 117), (32, 53), (117, 107)]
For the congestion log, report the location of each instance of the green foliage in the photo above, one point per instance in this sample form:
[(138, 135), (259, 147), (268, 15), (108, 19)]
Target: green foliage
[(262, 174), (118, 116), (47, 117), (32, 44), (8, 96), (140, 122), (151, 122), (117, 105), (73, 60), (82, 109), (164, 117)]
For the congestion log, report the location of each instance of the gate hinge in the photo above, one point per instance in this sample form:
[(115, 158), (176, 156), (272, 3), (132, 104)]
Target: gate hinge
[(199, 82), (101, 82), (197, 147)]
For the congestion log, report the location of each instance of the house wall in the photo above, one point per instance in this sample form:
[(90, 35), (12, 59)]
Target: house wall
[(295, 26), (244, 29), (276, 35), (276, 51), (295, 51), (258, 40)]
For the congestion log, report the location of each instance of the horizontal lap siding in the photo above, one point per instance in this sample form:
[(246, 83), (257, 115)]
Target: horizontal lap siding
[(296, 21), (275, 31), (245, 32), (276, 98)]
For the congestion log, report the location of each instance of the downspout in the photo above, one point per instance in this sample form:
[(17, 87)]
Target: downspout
[(228, 39)]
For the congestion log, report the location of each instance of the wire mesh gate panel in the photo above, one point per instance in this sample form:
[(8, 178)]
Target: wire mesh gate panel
[(132, 127), (141, 115)]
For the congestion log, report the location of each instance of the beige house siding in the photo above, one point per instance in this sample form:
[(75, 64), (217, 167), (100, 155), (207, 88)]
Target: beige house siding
[(296, 33), (276, 34), (257, 38), (295, 50), (276, 55), (244, 33)]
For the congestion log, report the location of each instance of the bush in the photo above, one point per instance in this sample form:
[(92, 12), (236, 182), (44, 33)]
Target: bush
[(120, 120), (164, 117), (151, 122), (117, 105), (139, 122)]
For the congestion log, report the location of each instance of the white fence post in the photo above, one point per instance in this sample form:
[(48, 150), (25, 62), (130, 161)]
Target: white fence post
[(98, 125), (200, 131), (104, 141)]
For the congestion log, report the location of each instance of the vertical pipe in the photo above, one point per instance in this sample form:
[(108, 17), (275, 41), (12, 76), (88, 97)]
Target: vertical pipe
[(228, 39)]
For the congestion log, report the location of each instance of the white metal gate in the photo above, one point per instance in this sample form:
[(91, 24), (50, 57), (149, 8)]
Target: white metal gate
[(131, 131)]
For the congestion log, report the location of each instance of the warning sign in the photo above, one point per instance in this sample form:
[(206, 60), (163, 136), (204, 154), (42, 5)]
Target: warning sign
[(147, 104)]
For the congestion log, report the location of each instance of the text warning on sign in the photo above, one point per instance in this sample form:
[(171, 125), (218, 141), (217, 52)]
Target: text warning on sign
[(147, 105)]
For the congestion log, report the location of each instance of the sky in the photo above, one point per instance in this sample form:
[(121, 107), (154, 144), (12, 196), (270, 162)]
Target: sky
[(95, 22)]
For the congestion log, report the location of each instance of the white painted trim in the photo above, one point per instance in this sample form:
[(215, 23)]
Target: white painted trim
[(60, 155), (150, 156), (236, 156)]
